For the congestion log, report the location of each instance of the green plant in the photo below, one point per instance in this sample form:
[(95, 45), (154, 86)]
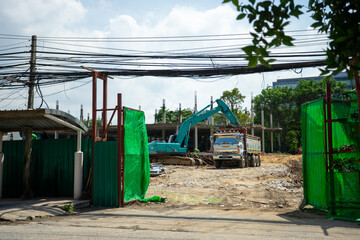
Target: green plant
[(346, 165), (68, 208)]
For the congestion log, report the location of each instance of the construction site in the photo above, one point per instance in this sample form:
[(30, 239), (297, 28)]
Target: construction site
[(247, 142)]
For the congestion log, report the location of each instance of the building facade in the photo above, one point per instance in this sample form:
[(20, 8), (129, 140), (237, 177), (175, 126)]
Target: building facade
[(293, 82)]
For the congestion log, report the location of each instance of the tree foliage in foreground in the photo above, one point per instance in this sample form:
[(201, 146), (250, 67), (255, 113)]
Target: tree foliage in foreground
[(339, 19), (285, 105)]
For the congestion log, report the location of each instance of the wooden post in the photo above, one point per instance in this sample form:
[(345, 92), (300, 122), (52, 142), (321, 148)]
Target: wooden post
[(27, 192)]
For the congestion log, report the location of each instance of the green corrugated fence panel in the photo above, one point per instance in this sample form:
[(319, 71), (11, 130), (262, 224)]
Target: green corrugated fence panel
[(105, 174), (13, 168), (346, 202), (86, 149), (313, 144), (52, 166), (338, 191)]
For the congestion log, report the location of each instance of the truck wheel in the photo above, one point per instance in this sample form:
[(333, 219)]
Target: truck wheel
[(252, 161), (247, 161), (241, 163), (259, 161), (217, 164), (256, 161)]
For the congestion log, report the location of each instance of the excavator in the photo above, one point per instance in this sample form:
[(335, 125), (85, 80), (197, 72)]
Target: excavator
[(178, 144)]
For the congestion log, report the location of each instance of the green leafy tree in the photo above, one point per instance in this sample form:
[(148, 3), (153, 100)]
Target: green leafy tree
[(234, 99), (285, 105), (173, 116), (339, 19)]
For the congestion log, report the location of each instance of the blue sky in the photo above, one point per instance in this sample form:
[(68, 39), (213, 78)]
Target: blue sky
[(110, 18)]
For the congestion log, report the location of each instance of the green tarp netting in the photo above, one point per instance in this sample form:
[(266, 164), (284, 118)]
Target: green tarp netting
[(337, 191), (136, 163)]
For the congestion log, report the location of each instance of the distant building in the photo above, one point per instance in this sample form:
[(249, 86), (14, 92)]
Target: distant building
[(293, 82)]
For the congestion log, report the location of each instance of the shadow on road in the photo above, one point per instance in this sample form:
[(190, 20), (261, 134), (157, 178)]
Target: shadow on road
[(317, 218), (307, 218)]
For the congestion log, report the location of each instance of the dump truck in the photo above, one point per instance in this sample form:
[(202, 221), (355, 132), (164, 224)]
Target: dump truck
[(234, 146)]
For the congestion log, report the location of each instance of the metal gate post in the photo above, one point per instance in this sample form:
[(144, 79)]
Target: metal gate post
[(120, 153), (93, 132)]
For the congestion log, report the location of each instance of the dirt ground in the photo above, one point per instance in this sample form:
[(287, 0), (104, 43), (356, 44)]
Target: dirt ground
[(270, 186)]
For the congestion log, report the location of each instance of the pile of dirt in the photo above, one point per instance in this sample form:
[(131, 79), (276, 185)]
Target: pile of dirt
[(279, 158), (271, 186)]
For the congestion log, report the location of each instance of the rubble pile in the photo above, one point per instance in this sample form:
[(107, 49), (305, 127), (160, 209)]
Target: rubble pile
[(294, 170)]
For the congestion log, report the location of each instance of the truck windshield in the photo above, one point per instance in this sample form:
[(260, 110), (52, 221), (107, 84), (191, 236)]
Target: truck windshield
[(226, 141)]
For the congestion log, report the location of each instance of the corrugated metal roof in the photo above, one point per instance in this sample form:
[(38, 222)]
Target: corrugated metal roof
[(18, 120)]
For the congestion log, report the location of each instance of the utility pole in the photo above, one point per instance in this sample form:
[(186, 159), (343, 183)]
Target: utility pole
[(155, 117), (27, 192), (252, 115), (179, 119), (211, 125), (163, 133), (81, 113), (196, 128), (32, 72)]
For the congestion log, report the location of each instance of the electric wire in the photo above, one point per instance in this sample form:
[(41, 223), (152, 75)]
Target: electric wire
[(59, 64)]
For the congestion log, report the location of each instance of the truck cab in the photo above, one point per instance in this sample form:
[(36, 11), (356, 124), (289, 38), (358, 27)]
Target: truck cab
[(235, 146), (228, 147)]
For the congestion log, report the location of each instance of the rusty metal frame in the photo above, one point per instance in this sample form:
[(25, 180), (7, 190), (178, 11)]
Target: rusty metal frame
[(120, 153), (105, 125), (329, 132), (329, 143)]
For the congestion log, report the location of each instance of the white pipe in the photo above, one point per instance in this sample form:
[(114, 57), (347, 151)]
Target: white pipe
[(78, 146), (78, 174)]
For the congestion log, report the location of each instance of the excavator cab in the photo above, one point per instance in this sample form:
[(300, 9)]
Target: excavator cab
[(172, 138)]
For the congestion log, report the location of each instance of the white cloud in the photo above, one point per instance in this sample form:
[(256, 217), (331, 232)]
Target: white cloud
[(187, 20), (43, 16)]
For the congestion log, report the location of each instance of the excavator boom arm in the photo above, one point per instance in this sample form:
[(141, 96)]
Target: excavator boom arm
[(202, 115)]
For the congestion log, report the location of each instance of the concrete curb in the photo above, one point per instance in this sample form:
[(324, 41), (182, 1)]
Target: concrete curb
[(32, 209)]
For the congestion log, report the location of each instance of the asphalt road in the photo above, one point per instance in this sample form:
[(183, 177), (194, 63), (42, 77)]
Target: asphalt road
[(182, 223)]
